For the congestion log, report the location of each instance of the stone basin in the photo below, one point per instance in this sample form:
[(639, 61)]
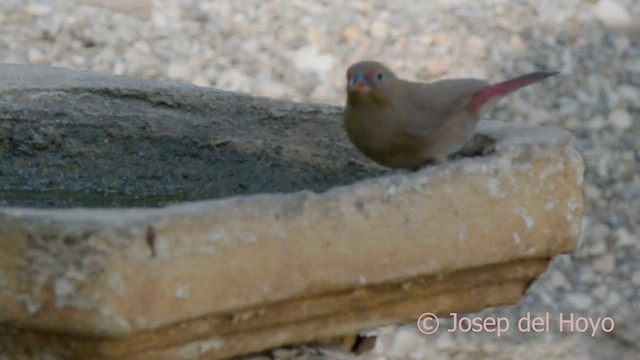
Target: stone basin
[(154, 220)]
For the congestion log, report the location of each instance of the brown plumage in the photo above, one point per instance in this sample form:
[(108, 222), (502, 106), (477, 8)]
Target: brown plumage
[(403, 124)]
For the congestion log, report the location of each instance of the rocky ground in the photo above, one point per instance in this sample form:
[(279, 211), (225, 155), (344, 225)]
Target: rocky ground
[(300, 49)]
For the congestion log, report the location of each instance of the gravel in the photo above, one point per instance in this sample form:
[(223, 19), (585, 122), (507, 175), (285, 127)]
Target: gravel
[(300, 49)]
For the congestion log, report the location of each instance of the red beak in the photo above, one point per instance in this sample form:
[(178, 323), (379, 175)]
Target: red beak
[(358, 84)]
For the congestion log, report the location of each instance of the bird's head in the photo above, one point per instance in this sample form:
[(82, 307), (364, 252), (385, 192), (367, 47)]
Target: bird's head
[(369, 81)]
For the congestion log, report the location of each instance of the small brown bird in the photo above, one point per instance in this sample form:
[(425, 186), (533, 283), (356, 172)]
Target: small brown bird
[(404, 124)]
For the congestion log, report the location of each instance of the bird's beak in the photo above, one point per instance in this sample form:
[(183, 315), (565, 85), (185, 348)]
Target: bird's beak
[(357, 83)]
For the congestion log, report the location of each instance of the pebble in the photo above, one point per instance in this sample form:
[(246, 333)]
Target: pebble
[(178, 71), (476, 47), (406, 340), (516, 43), (379, 29), (624, 238), (272, 89), (597, 123), (605, 264), (597, 248), (599, 233), (284, 354), (39, 9), (353, 34), (620, 119), (309, 59), (629, 93), (632, 65), (506, 24), (579, 301), (315, 36), (334, 354), (437, 65), (559, 281), (445, 341), (613, 300), (601, 292), (35, 56), (592, 192), (490, 348), (613, 14), (587, 275)]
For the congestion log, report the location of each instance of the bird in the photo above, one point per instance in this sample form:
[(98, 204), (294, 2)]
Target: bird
[(406, 125)]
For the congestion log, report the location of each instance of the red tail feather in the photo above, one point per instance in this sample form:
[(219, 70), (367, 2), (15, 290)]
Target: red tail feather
[(504, 88)]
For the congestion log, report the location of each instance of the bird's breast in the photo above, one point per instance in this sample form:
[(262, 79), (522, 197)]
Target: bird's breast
[(376, 132)]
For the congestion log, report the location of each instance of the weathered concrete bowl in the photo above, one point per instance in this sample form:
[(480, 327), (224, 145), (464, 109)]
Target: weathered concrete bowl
[(304, 239)]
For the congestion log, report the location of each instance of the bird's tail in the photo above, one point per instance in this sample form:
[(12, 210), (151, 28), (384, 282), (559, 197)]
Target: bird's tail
[(501, 89)]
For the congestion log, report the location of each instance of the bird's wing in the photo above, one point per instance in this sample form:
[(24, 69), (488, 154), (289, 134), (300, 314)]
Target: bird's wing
[(431, 105)]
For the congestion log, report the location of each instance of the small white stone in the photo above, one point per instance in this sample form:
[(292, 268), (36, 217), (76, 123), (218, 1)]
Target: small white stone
[(574, 123), (407, 339), (476, 46), (600, 292), (547, 299), (445, 342), (35, 56), (586, 275), (612, 13), (316, 36), (200, 80), (272, 89), (629, 93), (579, 301), (282, 354), (331, 353), (354, 35), (632, 65), (599, 231), (516, 43), (379, 29), (620, 119), (38, 9), (598, 248), (592, 192), (490, 348), (437, 65), (612, 300), (605, 264), (309, 59), (625, 238), (178, 71), (597, 123), (635, 278), (559, 281)]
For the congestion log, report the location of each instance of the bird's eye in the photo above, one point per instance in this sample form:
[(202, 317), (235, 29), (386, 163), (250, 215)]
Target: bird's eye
[(379, 76)]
